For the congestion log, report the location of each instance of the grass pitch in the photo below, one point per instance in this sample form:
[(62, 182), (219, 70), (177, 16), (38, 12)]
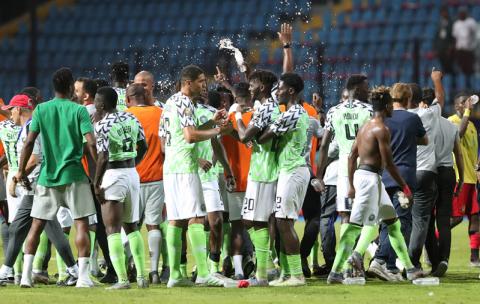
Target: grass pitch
[(459, 286)]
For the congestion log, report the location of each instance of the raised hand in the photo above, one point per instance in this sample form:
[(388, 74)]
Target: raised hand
[(436, 75), (285, 34), (219, 77)]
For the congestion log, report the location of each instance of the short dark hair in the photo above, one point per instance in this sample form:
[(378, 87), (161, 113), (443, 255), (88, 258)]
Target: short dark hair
[(33, 93), (380, 97), (241, 89), (416, 93), (428, 95), (101, 82), (355, 80), (62, 80), (137, 90), (190, 72), (109, 96), (267, 78), (293, 80), (119, 72), (89, 86), (214, 99)]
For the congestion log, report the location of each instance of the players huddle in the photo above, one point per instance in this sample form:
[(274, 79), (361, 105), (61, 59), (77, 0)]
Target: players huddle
[(233, 178)]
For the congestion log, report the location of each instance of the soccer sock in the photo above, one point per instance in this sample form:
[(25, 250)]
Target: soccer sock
[(40, 253), (284, 267), (117, 255), (347, 241), (61, 267), (207, 240), (83, 269), (214, 262), (17, 267), (196, 234), (271, 257), (261, 242), (237, 264), (174, 246), (367, 236), (227, 230), (154, 244), (343, 227), (93, 252), (314, 253), (27, 266), (163, 229), (183, 270), (294, 264), (474, 240), (137, 246), (398, 244)]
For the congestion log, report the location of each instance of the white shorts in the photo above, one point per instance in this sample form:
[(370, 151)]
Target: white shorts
[(259, 201), (183, 196), (234, 205), (291, 190), (13, 202), (152, 199), (342, 194), (222, 185), (211, 195), (64, 217), (372, 203), (123, 185)]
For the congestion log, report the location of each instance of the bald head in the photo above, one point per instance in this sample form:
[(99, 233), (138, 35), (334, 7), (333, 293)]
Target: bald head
[(145, 78), (136, 95)]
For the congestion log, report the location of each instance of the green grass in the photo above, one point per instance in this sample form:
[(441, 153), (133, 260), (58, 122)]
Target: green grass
[(459, 286)]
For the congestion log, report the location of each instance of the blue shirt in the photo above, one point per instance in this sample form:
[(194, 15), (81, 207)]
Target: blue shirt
[(405, 129)]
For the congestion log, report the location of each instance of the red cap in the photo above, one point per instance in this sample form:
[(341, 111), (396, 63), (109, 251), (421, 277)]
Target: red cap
[(20, 100)]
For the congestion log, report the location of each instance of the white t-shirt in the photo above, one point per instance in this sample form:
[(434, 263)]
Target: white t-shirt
[(464, 32), (37, 150), (426, 154), (445, 141)]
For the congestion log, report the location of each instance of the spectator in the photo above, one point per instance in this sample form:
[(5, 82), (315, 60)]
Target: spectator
[(444, 42), (464, 32)]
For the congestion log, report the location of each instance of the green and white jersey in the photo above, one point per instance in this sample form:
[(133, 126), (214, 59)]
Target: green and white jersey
[(263, 164), (204, 148), (180, 156), (9, 136), (291, 128), (118, 133), (344, 120), (122, 98)]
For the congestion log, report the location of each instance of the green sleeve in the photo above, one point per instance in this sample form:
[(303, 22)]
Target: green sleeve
[(85, 122), (35, 124)]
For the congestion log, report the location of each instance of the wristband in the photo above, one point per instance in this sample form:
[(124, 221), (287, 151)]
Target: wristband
[(286, 45), (467, 112), (407, 190), (238, 115)]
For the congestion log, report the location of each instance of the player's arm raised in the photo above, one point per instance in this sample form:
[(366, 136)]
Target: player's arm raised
[(383, 138), (285, 37), (439, 90), (466, 118)]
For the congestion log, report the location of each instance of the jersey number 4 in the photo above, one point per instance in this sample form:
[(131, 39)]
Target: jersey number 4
[(348, 134)]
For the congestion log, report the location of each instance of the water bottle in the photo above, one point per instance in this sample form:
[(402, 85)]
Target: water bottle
[(474, 99), (354, 281), (430, 281)]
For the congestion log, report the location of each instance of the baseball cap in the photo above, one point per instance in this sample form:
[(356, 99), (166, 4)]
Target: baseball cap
[(20, 100)]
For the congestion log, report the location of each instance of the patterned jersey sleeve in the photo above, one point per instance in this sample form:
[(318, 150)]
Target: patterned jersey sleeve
[(141, 132), (101, 133), (185, 111), (328, 120), (262, 116), (287, 121)]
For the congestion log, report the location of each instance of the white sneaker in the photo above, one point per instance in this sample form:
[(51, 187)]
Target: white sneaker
[(292, 282), (26, 282), (254, 282), (179, 283), (84, 283), (278, 281), (380, 271), (17, 279), (119, 285), (142, 283), (213, 280)]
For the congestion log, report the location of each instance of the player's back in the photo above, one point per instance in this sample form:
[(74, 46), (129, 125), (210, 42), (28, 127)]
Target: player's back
[(180, 156), (344, 120), (368, 144), (119, 132)]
